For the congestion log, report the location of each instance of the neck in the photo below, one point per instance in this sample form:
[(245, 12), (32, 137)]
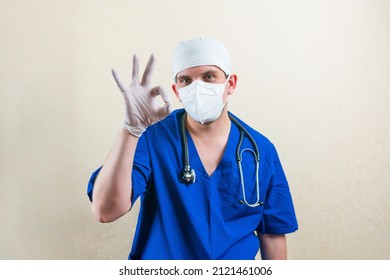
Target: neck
[(216, 129)]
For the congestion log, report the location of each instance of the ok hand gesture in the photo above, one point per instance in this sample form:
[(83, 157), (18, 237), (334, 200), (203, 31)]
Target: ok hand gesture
[(141, 108)]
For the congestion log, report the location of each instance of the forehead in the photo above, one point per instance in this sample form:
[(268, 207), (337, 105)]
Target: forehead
[(199, 70)]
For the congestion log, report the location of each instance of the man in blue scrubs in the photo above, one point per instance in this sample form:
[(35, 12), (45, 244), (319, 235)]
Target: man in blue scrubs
[(219, 214)]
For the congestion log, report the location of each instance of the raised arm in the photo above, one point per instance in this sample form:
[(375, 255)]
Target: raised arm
[(112, 191)]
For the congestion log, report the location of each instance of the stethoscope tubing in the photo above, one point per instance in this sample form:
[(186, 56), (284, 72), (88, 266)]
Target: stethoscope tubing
[(188, 175)]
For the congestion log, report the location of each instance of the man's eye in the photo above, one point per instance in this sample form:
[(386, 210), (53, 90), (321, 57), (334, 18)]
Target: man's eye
[(185, 81), (209, 77)]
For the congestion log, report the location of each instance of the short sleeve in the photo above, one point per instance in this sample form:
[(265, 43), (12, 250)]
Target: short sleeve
[(91, 182), (278, 214), (140, 175)]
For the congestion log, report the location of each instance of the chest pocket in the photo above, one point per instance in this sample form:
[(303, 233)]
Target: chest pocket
[(235, 208)]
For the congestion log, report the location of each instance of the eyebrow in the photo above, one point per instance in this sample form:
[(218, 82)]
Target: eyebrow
[(203, 74), (182, 77), (209, 72)]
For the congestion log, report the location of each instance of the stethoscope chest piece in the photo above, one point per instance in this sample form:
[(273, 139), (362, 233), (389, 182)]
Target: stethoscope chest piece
[(188, 175)]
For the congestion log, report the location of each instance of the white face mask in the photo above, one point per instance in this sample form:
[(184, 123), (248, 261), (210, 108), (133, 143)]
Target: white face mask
[(203, 101)]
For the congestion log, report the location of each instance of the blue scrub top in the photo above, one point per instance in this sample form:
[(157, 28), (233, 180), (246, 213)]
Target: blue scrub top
[(204, 220)]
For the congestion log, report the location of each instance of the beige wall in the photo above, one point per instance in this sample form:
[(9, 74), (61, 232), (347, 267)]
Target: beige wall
[(313, 77)]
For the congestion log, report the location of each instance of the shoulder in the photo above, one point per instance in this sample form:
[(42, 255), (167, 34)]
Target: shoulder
[(258, 137), (167, 127), (266, 147)]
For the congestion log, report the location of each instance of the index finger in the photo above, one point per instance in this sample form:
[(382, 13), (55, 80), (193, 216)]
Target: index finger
[(147, 76), (159, 91)]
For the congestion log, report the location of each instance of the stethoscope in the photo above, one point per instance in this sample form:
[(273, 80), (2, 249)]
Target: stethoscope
[(188, 175)]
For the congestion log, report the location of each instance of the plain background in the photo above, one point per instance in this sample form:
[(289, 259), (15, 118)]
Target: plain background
[(313, 76)]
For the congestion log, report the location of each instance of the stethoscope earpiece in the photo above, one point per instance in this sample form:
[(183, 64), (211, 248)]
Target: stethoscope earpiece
[(252, 205)]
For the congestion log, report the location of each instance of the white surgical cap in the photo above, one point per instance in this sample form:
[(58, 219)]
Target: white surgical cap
[(200, 51)]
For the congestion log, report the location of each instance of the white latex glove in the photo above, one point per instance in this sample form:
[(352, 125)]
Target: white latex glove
[(141, 108)]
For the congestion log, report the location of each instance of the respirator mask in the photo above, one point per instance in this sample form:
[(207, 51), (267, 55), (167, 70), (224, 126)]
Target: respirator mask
[(203, 101)]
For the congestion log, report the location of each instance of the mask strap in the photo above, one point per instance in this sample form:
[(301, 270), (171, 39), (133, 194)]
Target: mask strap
[(227, 97), (227, 79)]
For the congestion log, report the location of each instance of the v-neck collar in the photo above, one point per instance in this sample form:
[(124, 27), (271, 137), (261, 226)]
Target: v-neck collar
[(226, 156)]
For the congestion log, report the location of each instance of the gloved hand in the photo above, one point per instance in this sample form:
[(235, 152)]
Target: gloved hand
[(141, 108)]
